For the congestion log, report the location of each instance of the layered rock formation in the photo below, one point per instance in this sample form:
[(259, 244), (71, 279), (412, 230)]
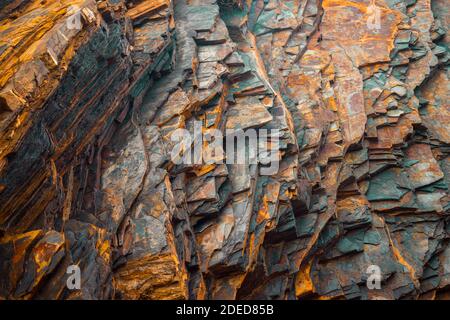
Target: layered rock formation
[(355, 92)]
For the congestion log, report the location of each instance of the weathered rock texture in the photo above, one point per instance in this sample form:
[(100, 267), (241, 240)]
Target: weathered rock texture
[(86, 178)]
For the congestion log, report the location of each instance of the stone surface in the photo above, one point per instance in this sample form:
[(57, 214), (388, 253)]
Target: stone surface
[(91, 93)]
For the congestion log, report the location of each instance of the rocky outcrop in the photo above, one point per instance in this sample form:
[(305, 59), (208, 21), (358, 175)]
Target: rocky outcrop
[(354, 94)]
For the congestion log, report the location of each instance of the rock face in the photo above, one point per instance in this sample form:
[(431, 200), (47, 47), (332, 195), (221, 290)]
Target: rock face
[(91, 93)]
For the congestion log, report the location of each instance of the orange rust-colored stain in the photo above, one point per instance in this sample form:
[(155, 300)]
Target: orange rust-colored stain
[(298, 80), (344, 3), (146, 7), (16, 237), (331, 103), (251, 247), (303, 282), (204, 169), (21, 246), (104, 250)]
